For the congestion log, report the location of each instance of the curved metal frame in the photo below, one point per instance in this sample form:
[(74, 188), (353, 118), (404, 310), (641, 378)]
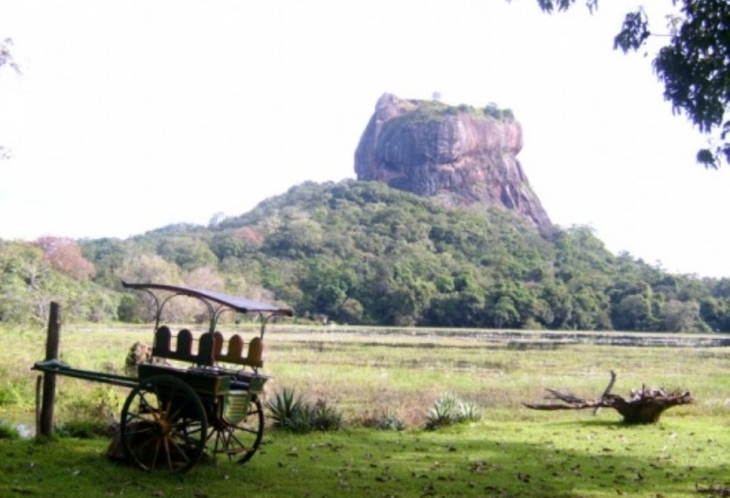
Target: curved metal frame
[(225, 303)]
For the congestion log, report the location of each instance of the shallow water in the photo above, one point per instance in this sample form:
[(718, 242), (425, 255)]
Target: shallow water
[(26, 431)]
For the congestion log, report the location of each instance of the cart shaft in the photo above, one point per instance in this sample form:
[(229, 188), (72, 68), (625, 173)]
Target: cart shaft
[(59, 368)]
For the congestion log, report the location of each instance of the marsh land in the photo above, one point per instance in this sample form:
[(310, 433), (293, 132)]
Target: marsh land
[(370, 373)]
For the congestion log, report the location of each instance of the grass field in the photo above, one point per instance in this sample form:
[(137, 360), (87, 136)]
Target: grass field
[(511, 451)]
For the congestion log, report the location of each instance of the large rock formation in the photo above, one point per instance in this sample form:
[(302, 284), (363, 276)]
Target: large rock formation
[(461, 156)]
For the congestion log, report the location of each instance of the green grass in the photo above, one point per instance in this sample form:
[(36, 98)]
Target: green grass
[(511, 451), (571, 457)]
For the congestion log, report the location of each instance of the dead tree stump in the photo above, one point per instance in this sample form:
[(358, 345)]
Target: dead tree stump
[(644, 406)]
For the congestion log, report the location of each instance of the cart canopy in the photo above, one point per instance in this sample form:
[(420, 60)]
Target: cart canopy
[(238, 304)]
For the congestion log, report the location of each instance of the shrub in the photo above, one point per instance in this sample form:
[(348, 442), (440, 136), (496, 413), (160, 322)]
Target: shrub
[(491, 110), (324, 416), (450, 410), (91, 415), (7, 431), (85, 429), (385, 421), (100, 407)]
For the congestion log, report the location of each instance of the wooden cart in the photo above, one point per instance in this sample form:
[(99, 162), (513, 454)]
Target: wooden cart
[(194, 394)]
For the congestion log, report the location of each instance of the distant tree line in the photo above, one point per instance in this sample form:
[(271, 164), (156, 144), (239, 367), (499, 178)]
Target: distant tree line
[(362, 253)]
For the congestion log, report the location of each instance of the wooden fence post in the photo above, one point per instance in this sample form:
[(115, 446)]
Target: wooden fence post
[(49, 379)]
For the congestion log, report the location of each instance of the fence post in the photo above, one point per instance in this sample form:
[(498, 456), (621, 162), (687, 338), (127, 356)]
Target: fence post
[(49, 379)]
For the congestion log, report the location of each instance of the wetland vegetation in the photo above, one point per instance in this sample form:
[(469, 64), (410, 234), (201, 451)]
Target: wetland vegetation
[(369, 374)]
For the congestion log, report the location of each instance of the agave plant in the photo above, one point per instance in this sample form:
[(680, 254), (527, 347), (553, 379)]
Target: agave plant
[(468, 412), (449, 410), (442, 413), (285, 408), (291, 413)]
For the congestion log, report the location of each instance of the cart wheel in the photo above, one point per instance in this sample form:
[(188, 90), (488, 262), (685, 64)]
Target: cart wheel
[(239, 440), (163, 425)]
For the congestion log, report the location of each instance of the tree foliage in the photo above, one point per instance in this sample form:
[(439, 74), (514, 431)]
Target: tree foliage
[(692, 65), (7, 60), (29, 282), (64, 255), (363, 253)]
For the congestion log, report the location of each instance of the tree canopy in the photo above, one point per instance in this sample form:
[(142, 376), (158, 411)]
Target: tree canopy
[(363, 253), (6, 59), (693, 65)]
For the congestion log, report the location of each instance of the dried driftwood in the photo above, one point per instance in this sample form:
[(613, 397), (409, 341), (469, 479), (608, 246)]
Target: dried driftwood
[(644, 405), (721, 490)]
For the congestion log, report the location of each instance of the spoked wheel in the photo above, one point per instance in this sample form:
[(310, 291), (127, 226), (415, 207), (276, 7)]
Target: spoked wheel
[(163, 425), (239, 437)]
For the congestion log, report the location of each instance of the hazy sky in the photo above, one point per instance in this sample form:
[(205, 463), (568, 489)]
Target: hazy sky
[(131, 115)]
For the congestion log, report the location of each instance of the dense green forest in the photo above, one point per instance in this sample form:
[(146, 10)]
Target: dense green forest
[(362, 253)]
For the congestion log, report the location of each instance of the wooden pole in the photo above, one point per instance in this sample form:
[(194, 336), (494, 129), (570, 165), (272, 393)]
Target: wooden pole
[(38, 391), (49, 379)]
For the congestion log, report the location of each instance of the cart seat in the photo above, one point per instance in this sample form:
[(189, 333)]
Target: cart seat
[(234, 353), (210, 351), (162, 347)]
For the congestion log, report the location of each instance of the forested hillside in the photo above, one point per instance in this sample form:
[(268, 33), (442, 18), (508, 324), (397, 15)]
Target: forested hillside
[(363, 253)]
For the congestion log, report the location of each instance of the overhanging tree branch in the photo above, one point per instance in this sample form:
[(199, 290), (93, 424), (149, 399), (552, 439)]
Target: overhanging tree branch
[(692, 65)]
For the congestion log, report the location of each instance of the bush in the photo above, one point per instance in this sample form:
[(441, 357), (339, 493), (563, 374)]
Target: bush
[(7, 431), (89, 416), (85, 429), (491, 110), (385, 421), (324, 416), (99, 409), (450, 410)]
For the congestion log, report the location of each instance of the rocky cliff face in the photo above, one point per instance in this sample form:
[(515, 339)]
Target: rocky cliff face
[(459, 155)]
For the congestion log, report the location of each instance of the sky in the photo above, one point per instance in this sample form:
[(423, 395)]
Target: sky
[(131, 115)]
